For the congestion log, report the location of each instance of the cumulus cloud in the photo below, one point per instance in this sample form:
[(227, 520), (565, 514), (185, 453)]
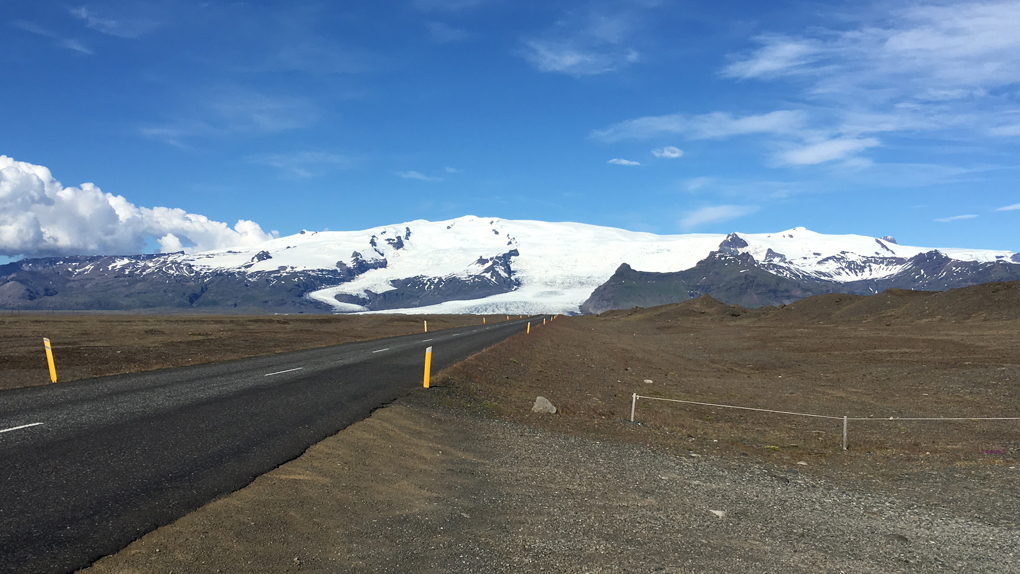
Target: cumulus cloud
[(618, 161), (39, 216), (715, 214), (417, 175), (1013, 207), (954, 218), (669, 152)]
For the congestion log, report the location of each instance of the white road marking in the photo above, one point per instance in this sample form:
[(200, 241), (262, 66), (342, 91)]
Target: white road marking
[(426, 340), (282, 372), (21, 427), (381, 350)]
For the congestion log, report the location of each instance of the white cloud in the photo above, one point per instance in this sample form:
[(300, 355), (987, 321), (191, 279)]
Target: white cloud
[(826, 151), (955, 218), (715, 214), (587, 42), (618, 161), (669, 152), (715, 125), (567, 58), (417, 175), (925, 65), (1013, 207), (779, 55), (454, 170), (39, 216), (304, 164)]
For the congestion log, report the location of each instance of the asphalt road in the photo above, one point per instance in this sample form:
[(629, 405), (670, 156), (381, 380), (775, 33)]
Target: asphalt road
[(87, 467)]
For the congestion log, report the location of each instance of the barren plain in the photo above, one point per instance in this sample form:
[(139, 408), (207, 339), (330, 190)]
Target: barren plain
[(465, 478)]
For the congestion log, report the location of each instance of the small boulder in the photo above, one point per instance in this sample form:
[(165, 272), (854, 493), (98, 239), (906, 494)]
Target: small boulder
[(542, 405), (648, 381)]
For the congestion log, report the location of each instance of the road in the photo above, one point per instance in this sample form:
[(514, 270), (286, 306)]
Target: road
[(87, 467)]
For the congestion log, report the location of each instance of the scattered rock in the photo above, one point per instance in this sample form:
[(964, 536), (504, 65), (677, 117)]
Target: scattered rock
[(648, 381), (898, 538), (802, 463), (719, 513), (542, 405)]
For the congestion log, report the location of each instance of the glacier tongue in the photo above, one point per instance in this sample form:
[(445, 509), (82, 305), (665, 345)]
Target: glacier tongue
[(552, 267)]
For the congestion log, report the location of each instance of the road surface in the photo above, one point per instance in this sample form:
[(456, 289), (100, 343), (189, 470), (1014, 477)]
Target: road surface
[(87, 467)]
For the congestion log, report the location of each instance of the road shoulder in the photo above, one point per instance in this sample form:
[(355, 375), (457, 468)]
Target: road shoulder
[(424, 485)]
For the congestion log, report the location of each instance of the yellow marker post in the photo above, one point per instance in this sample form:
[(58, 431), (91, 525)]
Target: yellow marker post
[(49, 359), (529, 327), (428, 366), (508, 317), (483, 320), (426, 326), (543, 320)]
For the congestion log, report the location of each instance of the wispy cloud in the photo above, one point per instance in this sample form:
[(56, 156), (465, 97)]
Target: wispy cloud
[(417, 175), (1013, 207), (568, 58), (698, 183), (954, 218), (618, 161), (826, 151), (232, 111), (938, 71), (587, 42), (715, 214), (453, 170), (716, 125), (129, 27), (304, 164), (69, 43), (668, 152), (443, 33)]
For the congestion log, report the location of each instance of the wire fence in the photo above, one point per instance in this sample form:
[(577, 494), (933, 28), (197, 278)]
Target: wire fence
[(846, 419)]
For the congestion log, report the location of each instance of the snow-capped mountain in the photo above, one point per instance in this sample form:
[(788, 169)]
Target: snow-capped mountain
[(465, 265)]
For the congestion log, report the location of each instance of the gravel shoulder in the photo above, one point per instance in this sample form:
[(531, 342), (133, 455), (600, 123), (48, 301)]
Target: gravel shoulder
[(426, 485)]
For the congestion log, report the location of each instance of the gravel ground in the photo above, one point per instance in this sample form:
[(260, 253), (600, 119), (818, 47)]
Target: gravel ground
[(422, 486)]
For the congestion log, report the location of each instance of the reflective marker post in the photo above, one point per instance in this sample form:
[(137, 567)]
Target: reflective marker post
[(49, 359), (428, 366)]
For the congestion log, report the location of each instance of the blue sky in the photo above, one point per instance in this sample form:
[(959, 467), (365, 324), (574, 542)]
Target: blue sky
[(892, 118)]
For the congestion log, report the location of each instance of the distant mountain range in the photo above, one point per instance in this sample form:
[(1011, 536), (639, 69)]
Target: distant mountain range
[(489, 265)]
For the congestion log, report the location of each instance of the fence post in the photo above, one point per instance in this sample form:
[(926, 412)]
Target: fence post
[(633, 403), (844, 433)]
